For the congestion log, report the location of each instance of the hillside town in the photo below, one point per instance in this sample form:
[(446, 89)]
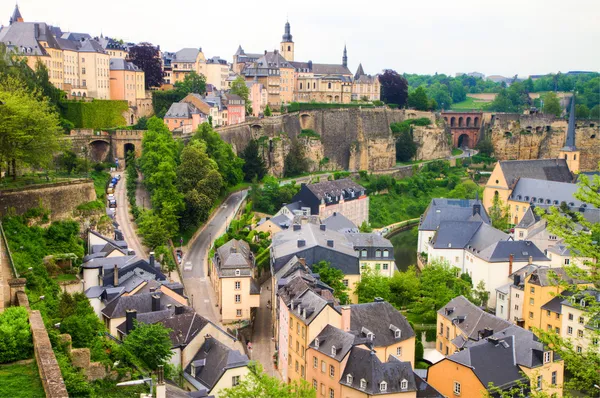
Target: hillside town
[(176, 224)]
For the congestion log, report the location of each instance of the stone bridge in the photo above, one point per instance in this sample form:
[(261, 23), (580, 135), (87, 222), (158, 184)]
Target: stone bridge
[(464, 126)]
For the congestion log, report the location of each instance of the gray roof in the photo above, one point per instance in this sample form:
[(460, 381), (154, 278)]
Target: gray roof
[(323, 69), (331, 337), (142, 303), (305, 294), (181, 110), (364, 365), (65, 44), (234, 255), (529, 218), (531, 190), (334, 188), (551, 276), (339, 222), (555, 305), (521, 250), (381, 319), (25, 37), (540, 169), (121, 64), (74, 36), (217, 359), (470, 319), (570, 141), (91, 46), (424, 390), (368, 240), (187, 55), (440, 210), (282, 221)]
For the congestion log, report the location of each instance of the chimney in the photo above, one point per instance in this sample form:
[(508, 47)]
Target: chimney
[(476, 208), (130, 317), (323, 227), (161, 387), (301, 243), (330, 243), (151, 259), (178, 309), (511, 258), (378, 300), (530, 260), (116, 275), (517, 280), (346, 311), (155, 302), (335, 213), (297, 227)]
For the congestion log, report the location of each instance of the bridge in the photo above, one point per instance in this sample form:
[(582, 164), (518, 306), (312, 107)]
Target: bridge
[(395, 228), (464, 126)]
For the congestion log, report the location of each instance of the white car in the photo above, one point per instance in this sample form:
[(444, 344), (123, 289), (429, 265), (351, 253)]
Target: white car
[(111, 197)]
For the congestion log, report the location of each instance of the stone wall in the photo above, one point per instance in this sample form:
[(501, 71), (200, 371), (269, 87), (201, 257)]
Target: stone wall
[(524, 137), (60, 198)]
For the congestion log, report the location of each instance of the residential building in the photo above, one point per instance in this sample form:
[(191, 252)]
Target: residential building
[(114, 48), (231, 272), (94, 69), (508, 358), (236, 108), (576, 322), (511, 296), (216, 72), (338, 196), (275, 73), (257, 96), (241, 59), (272, 225), (365, 86), (376, 253), (339, 222), (185, 61), (323, 82), (126, 81), (184, 116)]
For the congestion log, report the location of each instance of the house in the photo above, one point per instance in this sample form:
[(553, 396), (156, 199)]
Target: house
[(217, 71), (272, 70), (365, 86), (184, 116), (258, 96), (231, 272), (215, 367), (509, 358), (375, 252), (126, 81), (185, 61), (511, 296), (576, 322), (236, 108), (272, 225), (338, 196), (339, 222), (461, 321)]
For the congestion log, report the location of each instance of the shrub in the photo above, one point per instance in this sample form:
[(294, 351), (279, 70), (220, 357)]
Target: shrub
[(15, 335), (97, 114), (308, 133)]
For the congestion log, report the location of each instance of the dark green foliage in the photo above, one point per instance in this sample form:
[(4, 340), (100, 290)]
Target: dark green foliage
[(372, 284), (78, 319), (308, 133), (254, 166), (229, 165), (394, 88), (406, 148), (267, 111), (485, 147), (272, 196), (551, 104), (162, 101), (15, 335), (147, 58), (96, 114), (513, 99), (334, 278), (150, 343), (338, 175), (418, 99), (419, 349), (295, 162), (142, 124), (192, 83)]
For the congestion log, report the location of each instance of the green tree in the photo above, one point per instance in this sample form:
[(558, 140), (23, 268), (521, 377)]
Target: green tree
[(192, 83), (150, 343), (295, 162), (15, 335), (404, 287), (259, 384), (458, 91), (582, 111), (364, 227), (499, 214), (485, 147), (239, 87), (228, 163), (418, 99), (372, 284), (406, 148), (334, 278), (254, 165), (78, 319), (551, 104), (480, 294), (153, 229), (267, 112)]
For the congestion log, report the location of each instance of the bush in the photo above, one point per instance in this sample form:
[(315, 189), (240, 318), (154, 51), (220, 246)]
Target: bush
[(308, 133), (97, 114), (378, 103), (15, 335), (338, 175), (162, 101)]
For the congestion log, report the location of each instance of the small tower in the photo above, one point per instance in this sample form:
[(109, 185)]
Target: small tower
[(16, 16), (287, 44), (570, 152), (345, 57)]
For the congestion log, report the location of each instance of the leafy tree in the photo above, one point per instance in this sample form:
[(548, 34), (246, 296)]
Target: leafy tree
[(372, 284), (15, 335), (582, 111), (334, 278), (79, 319), (499, 214), (238, 87), (68, 161), (259, 384), (418, 99), (394, 88), (194, 167), (153, 229), (551, 104), (147, 58), (267, 111), (480, 294), (254, 165), (457, 90), (485, 147), (441, 95), (295, 162), (229, 165), (272, 196), (406, 148), (595, 112), (366, 228), (192, 83), (404, 287), (150, 343)]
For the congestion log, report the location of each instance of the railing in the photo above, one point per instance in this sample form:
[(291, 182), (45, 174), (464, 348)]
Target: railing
[(392, 229), (10, 259)]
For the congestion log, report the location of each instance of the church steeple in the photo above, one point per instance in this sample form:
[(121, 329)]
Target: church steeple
[(287, 36), (359, 72), (16, 16), (570, 141), (287, 44), (570, 152), (345, 57)]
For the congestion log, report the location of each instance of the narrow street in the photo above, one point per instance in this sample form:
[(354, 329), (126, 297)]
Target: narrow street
[(263, 347), (124, 218)]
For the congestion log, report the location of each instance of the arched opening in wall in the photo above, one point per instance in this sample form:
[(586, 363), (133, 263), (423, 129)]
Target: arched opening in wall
[(463, 141), (460, 121), (306, 121), (539, 129), (446, 120), (452, 121), (289, 48), (337, 98), (84, 95), (476, 122), (468, 122), (507, 134), (256, 130), (129, 148), (528, 129), (98, 151), (593, 136)]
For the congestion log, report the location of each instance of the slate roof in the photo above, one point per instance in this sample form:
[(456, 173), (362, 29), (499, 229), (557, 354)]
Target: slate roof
[(529, 218), (282, 221), (368, 240), (16, 15), (339, 222), (322, 69), (121, 64), (65, 44), (549, 276), (234, 255), (308, 305), (570, 140), (539, 169), (378, 318), (187, 55), (91, 46), (218, 358), (441, 210), (142, 303), (25, 37), (74, 36), (555, 305), (364, 365), (529, 190), (331, 337), (181, 110), (359, 71), (424, 390), (471, 319), (334, 188)]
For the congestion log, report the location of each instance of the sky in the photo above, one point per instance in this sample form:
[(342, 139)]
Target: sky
[(426, 36)]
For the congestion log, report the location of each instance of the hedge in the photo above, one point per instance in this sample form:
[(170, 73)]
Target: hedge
[(305, 106), (162, 101), (96, 114)]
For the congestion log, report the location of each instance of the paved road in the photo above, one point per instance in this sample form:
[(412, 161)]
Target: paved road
[(263, 347), (125, 221)]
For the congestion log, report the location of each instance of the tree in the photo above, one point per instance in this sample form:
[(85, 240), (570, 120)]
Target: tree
[(259, 384), (364, 227), (582, 111), (153, 229), (404, 287), (441, 95), (406, 148), (295, 162), (228, 163), (418, 99), (334, 278), (254, 165), (68, 161), (480, 294), (595, 112), (147, 58), (551, 104), (239, 87), (457, 91), (150, 343), (267, 111), (372, 284), (15, 335), (499, 214), (78, 319), (394, 88), (192, 83), (485, 147)]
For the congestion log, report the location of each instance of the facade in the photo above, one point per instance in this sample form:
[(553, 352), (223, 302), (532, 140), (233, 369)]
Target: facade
[(232, 275), (217, 71), (126, 81), (464, 126), (257, 96), (275, 73), (236, 108), (94, 69), (185, 61), (510, 297), (365, 86), (576, 323), (184, 116)]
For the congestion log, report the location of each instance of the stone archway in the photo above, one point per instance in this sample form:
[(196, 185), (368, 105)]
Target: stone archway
[(306, 121), (463, 141), (128, 147), (99, 150)]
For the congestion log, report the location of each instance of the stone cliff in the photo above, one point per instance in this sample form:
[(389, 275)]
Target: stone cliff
[(524, 137), (349, 139)]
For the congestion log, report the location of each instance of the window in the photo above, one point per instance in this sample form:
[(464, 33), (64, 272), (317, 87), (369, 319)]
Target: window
[(237, 272), (557, 330), (297, 366), (302, 351), (532, 290), (404, 384), (363, 383), (570, 316), (456, 388), (397, 333), (516, 307), (331, 371), (539, 382), (322, 389), (385, 266), (333, 351), (447, 351), (579, 349), (349, 379), (315, 362), (530, 315), (238, 285), (547, 356), (581, 320), (569, 330), (363, 253), (291, 324), (383, 386), (557, 315), (399, 351), (297, 327), (302, 370), (501, 296), (567, 261), (238, 298), (521, 234), (235, 380), (331, 393), (297, 346), (531, 301), (440, 347), (345, 282), (378, 253), (441, 328), (238, 313), (554, 378), (447, 332), (580, 333), (386, 253), (323, 367), (315, 384), (502, 309)]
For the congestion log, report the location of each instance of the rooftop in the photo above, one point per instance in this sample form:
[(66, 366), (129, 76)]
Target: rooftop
[(539, 169)]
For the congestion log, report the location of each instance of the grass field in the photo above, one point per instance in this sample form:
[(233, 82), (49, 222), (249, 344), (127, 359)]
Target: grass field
[(456, 152), (469, 103), (20, 380)]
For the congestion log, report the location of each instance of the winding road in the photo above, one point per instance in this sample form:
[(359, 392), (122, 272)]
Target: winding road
[(123, 217)]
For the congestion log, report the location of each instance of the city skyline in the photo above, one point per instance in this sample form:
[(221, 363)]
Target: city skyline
[(444, 38)]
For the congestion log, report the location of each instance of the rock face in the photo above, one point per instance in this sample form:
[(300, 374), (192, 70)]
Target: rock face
[(524, 137), (349, 139)]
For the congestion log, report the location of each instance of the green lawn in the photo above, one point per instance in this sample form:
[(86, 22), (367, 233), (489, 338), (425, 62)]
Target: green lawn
[(456, 152), (469, 103), (20, 380), (65, 277)]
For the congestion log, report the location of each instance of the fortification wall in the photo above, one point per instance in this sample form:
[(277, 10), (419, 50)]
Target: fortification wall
[(61, 198)]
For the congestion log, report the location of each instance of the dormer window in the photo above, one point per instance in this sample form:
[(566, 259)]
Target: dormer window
[(397, 333), (317, 342), (386, 253), (383, 386), (237, 272), (333, 351), (370, 336), (378, 253), (582, 302), (404, 384), (349, 379), (547, 356), (363, 384)]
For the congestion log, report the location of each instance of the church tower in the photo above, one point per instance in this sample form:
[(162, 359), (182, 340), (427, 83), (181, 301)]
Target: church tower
[(16, 16), (287, 45), (345, 57), (570, 152)]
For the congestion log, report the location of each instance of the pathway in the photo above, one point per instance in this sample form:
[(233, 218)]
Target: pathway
[(6, 273), (125, 220), (263, 346)]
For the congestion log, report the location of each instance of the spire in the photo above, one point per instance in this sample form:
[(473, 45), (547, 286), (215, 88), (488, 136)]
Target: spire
[(16, 16), (359, 72), (345, 57), (570, 142), (287, 37)]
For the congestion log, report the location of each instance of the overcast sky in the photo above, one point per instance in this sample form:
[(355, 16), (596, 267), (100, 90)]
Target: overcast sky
[(420, 36)]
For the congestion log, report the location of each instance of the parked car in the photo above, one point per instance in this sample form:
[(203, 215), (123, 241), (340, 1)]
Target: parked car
[(110, 196), (118, 177), (112, 204), (114, 181), (111, 189)]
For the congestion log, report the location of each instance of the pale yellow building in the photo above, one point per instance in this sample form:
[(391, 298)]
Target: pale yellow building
[(185, 61), (94, 69), (365, 87), (216, 72), (577, 324)]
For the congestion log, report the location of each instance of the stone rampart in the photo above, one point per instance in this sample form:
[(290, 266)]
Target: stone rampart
[(61, 198)]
